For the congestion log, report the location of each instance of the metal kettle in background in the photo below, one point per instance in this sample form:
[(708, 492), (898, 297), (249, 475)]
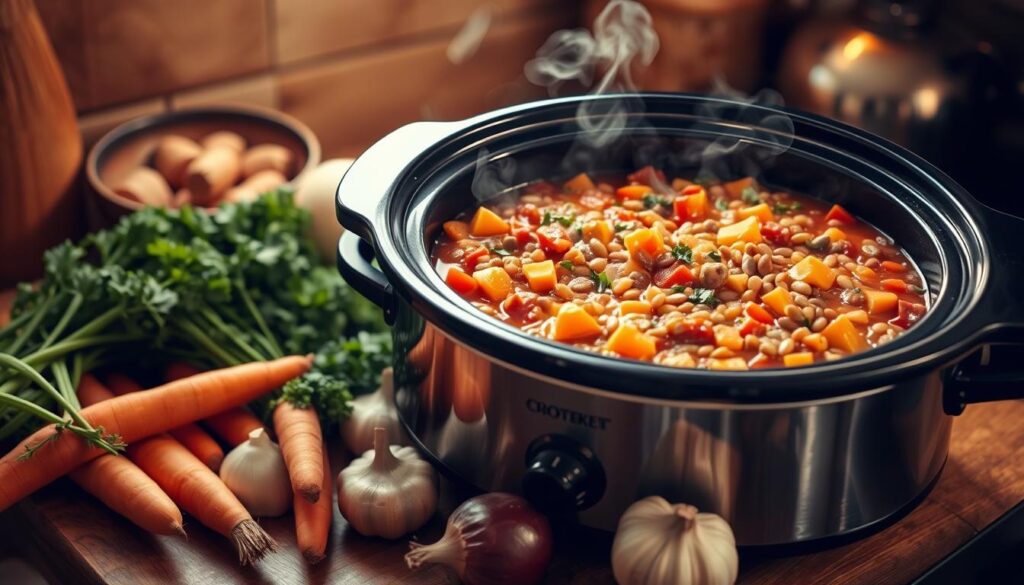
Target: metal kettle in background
[(893, 73)]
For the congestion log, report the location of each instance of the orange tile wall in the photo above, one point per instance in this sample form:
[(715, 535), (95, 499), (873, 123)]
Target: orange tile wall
[(351, 69)]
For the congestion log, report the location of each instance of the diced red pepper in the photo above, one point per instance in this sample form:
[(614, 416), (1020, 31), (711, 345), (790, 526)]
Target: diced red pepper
[(751, 327), (529, 212), (839, 214), (774, 233), (907, 314), (474, 257), (459, 281), (894, 285), (552, 238), (523, 236), (647, 176), (678, 275), (625, 214), (696, 332), (759, 313)]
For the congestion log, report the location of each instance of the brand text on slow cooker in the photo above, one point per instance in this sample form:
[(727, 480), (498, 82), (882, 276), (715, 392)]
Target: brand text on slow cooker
[(570, 416)]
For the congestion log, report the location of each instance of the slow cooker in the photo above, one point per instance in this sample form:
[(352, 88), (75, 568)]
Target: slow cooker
[(785, 455)]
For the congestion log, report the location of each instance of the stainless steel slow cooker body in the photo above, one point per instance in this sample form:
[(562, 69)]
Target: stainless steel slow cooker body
[(787, 455)]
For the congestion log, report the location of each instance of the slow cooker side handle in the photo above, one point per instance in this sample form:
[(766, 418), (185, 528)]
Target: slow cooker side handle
[(995, 371), (355, 258)]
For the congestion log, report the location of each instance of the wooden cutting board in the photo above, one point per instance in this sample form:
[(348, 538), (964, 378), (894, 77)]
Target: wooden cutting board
[(74, 539)]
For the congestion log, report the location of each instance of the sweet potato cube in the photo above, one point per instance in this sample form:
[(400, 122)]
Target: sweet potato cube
[(737, 282), (733, 363), (778, 299), (760, 211), (487, 223), (628, 341), (642, 307), (648, 240), (835, 234), (726, 336), (579, 183), (880, 301), (598, 229), (814, 272), (802, 358), (540, 276), (747, 230), (735, 188), (460, 282), (843, 334), (633, 191), (494, 282), (573, 322)]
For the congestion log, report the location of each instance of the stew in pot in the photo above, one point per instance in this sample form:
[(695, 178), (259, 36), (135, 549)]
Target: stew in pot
[(726, 276)]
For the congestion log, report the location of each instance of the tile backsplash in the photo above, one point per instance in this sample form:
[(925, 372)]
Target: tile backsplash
[(351, 69)]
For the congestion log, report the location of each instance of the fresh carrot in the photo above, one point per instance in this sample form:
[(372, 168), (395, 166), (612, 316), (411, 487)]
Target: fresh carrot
[(55, 453), (895, 285), (195, 439), (192, 485), (298, 433), (896, 267), (121, 485), (231, 426), (313, 520), (202, 494)]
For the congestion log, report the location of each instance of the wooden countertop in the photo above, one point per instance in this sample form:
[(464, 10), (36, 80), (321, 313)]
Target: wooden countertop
[(74, 539)]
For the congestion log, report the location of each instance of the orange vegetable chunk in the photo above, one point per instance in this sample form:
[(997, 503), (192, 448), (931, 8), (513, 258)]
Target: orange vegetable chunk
[(733, 363), (456, 230), (633, 191), (579, 183), (778, 299), (729, 337), (814, 272), (747, 230), (737, 282), (494, 282), (460, 282), (628, 341), (540, 276), (879, 301), (642, 307), (648, 240), (573, 322), (598, 229), (487, 223), (802, 358), (843, 334), (760, 211), (835, 234), (693, 203)]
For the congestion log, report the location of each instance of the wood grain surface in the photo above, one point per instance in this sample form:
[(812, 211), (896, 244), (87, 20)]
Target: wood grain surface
[(75, 540)]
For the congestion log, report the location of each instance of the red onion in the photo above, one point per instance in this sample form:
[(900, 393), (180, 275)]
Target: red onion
[(493, 539)]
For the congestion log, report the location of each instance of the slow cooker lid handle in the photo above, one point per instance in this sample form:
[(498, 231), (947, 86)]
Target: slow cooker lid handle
[(355, 257)]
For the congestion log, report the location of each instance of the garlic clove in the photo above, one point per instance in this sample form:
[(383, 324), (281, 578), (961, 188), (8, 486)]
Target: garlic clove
[(389, 491), (370, 411), (255, 472)]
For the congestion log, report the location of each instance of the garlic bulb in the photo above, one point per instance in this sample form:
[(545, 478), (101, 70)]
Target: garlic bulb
[(255, 472), (371, 411), (389, 491), (658, 543)]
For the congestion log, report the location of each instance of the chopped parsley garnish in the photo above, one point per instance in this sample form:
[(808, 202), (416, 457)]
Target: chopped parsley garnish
[(704, 296), (750, 195), (714, 256), (683, 253), (622, 226), (565, 264), (780, 207), (721, 204), (651, 200), (601, 280), (500, 252), (549, 218), (678, 288)]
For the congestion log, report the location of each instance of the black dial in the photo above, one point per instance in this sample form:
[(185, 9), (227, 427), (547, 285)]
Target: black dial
[(562, 475)]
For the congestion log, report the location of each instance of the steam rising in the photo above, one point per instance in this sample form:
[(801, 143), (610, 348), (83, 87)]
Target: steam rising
[(467, 41), (623, 32)]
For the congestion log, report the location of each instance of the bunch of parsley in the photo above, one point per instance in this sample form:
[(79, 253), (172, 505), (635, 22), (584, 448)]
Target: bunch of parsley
[(216, 289)]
